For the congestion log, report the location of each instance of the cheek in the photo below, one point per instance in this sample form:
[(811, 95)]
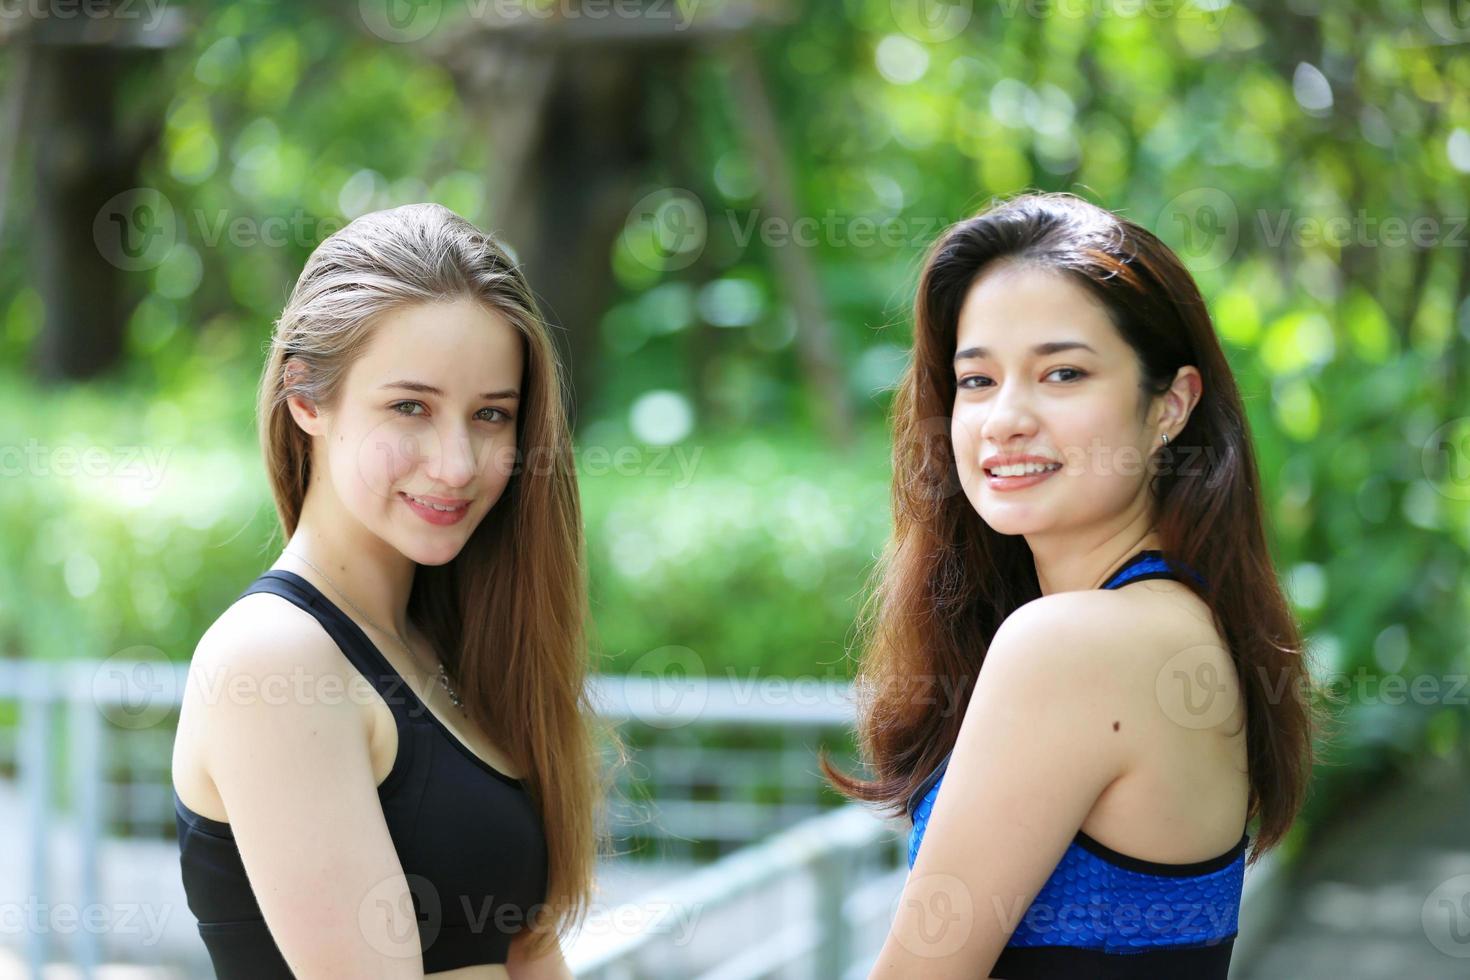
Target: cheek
[(386, 454), (498, 459), (964, 436), (1101, 444)]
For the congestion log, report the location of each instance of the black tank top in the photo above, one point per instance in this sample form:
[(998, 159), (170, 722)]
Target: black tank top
[(467, 835)]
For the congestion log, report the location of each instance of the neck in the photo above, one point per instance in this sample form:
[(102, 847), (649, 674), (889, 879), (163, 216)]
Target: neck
[(1062, 566), (363, 568)]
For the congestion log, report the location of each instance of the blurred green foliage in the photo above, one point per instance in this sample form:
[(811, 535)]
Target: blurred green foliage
[(1237, 134)]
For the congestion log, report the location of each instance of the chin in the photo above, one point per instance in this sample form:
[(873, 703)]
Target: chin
[(1012, 519), (1010, 526), (424, 547), (434, 554)]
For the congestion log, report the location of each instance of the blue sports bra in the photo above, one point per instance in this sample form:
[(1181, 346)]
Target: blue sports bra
[(1103, 914), (467, 835)]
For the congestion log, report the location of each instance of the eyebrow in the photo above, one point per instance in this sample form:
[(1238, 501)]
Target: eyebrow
[(424, 389), (1040, 350)]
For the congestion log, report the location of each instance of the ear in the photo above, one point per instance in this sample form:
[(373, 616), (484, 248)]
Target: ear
[(1179, 402), (305, 411)]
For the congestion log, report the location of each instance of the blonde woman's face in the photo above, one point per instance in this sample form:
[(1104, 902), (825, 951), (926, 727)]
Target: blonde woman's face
[(428, 416), (1077, 406)]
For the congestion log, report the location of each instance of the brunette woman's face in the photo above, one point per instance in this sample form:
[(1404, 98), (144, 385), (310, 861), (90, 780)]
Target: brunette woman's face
[(1041, 371), (427, 416)]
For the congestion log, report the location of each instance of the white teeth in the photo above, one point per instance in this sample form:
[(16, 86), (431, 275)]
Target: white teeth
[(425, 503), (1023, 469)]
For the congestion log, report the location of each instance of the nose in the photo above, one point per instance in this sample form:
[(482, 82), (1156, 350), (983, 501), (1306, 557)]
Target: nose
[(455, 465), (1008, 416)]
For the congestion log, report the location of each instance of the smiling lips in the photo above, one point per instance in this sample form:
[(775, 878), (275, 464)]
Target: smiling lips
[(437, 510), (1017, 471)]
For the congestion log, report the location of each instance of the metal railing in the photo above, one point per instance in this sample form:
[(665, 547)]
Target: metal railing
[(121, 712), (854, 867), (41, 690), (847, 865)]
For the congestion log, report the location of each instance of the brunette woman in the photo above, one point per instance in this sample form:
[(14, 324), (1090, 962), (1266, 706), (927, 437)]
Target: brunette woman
[(1082, 677)]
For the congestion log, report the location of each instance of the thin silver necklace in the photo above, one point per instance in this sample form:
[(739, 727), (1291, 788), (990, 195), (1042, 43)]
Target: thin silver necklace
[(454, 697)]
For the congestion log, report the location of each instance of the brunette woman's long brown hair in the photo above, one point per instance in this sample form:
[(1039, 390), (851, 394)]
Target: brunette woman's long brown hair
[(947, 580), (508, 613)]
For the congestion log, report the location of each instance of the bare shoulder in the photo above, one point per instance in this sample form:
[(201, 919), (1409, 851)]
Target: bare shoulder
[(262, 631), (264, 655), (1171, 629), (1131, 643), (1053, 669), (1078, 632)]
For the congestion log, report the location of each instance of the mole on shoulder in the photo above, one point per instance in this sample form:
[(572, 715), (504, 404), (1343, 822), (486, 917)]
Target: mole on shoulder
[(1115, 726)]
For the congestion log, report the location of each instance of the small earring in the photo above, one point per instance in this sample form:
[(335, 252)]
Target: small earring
[(1165, 437)]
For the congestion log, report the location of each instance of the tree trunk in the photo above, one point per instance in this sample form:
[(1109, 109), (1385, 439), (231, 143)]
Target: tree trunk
[(93, 227)]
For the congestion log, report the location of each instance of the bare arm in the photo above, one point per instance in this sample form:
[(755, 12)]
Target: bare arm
[(291, 762), (521, 965)]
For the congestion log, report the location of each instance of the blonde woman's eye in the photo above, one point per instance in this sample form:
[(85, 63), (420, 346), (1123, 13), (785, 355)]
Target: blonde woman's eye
[(398, 405)]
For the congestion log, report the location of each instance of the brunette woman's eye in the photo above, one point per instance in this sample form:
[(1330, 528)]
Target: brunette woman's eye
[(504, 415), (971, 377), (1080, 374)]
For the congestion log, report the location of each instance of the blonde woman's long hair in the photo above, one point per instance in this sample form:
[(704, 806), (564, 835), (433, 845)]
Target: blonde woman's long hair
[(509, 612)]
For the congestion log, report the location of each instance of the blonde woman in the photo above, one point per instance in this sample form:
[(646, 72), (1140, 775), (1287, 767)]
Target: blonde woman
[(384, 765)]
